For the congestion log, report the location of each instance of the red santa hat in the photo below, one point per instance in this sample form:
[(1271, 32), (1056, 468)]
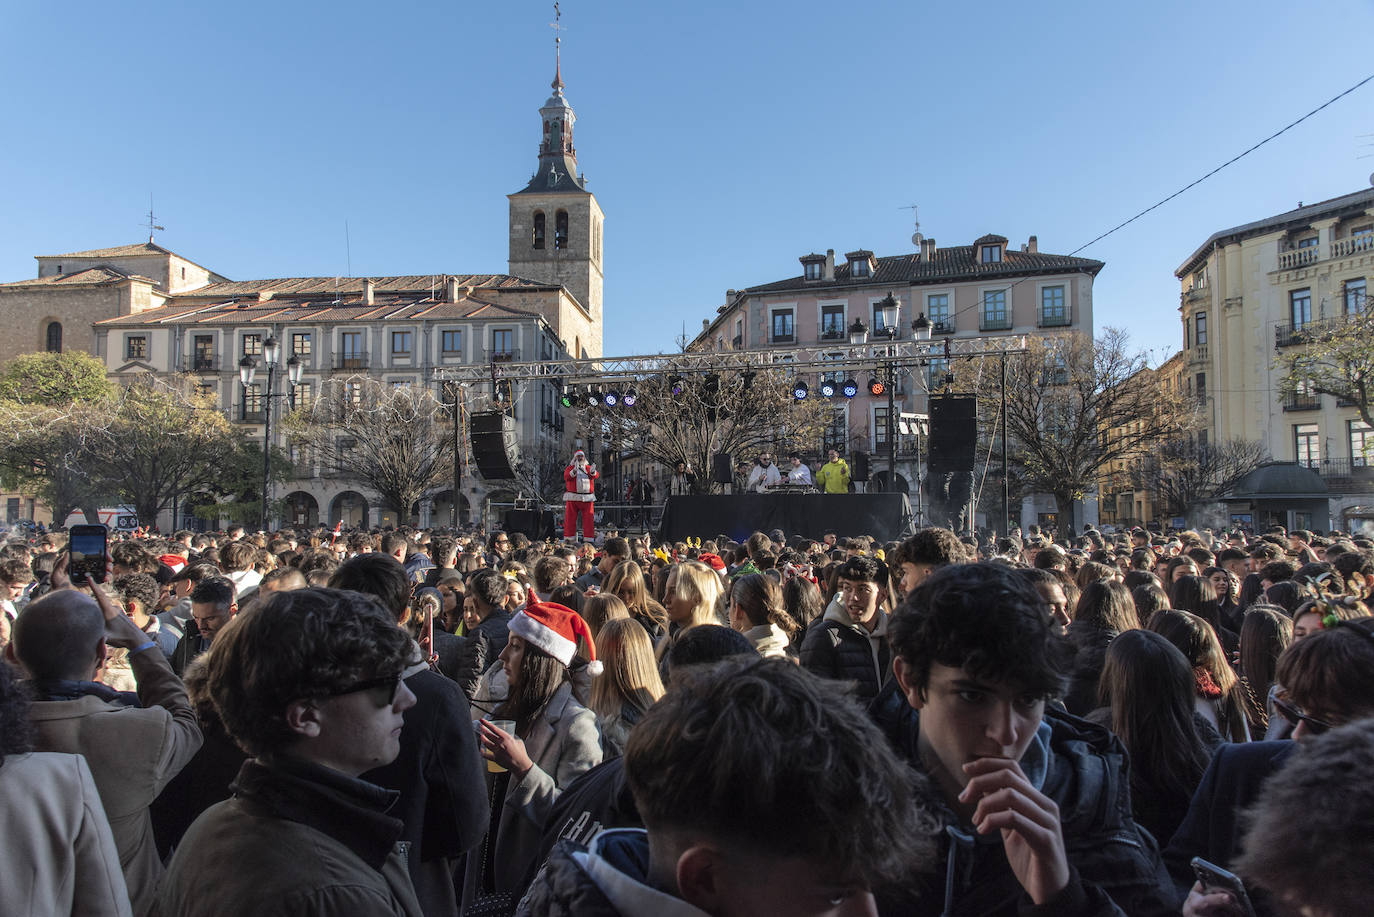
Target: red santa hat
[(579, 453), (556, 630), (712, 560)]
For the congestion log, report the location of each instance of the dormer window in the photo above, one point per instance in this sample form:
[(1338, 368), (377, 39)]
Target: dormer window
[(813, 270), (991, 254), (860, 263)]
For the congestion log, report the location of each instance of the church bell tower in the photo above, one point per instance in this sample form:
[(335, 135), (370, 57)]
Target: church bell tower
[(555, 226)]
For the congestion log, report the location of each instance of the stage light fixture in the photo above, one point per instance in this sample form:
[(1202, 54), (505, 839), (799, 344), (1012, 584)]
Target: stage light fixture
[(565, 398), (612, 398), (828, 388), (593, 396), (851, 388), (677, 385), (876, 386), (800, 390), (630, 398)]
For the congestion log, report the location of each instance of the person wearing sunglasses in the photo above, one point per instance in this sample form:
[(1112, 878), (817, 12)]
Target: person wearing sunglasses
[(310, 685), (1328, 681)]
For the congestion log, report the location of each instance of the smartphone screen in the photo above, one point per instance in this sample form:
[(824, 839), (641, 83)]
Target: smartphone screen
[(88, 551)]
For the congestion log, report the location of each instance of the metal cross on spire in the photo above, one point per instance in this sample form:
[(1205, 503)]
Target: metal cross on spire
[(557, 27), (152, 221)]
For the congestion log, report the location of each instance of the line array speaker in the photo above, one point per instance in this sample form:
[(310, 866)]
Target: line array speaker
[(494, 446)]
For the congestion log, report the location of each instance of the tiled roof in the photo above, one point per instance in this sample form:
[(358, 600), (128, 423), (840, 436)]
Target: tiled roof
[(958, 262), (119, 251), (92, 275), (1299, 216), (286, 310), (328, 286)]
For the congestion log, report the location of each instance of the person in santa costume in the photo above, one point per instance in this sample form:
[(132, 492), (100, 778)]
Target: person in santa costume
[(579, 497)]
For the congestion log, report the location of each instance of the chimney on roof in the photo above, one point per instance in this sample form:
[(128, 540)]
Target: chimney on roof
[(450, 289), (1033, 246), (927, 250), (368, 288), (705, 323), (829, 273), (730, 296)]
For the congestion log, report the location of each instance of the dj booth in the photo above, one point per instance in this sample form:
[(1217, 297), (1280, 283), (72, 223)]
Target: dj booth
[(886, 516)]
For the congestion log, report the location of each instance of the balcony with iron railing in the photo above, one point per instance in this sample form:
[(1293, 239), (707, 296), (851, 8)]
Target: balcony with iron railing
[(831, 335), (1303, 401), (1288, 334), (1347, 474), (988, 322), (942, 327), (204, 363), (503, 355), (351, 360), (737, 342), (1054, 320)]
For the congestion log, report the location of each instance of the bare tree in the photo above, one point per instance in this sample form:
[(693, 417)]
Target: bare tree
[(1075, 405), (1332, 357), (394, 440), (679, 417), (160, 441), (1185, 472)]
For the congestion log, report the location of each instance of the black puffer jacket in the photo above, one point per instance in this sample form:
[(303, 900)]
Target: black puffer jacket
[(1084, 769), (481, 648), (564, 889), (834, 648)]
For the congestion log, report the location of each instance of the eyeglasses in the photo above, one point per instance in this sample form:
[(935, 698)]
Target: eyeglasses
[(1295, 714), (384, 688)]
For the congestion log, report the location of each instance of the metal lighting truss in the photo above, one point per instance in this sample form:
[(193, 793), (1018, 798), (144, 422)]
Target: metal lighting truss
[(839, 358)]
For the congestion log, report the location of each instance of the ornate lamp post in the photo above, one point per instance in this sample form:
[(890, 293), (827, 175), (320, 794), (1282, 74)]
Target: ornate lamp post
[(248, 366)]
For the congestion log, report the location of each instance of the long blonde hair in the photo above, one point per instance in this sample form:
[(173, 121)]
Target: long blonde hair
[(699, 584), (626, 580), (630, 675), (600, 608)]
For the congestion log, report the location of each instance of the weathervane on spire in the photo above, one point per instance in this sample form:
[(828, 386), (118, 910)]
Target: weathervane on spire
[(557, 27)]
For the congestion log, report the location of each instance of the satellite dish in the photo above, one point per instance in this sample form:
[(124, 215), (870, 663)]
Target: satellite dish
[(917, 238), (1371, 178)]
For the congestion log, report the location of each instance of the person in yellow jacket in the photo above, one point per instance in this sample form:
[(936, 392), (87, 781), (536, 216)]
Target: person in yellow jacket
[(833, 478)]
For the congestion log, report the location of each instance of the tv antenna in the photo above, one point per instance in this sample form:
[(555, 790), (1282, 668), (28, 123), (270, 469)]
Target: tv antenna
[(152, 221), (915, 209)]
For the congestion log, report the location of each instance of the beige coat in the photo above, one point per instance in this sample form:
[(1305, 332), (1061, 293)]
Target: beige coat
[(132, 752), (58, 856), (563, 743)]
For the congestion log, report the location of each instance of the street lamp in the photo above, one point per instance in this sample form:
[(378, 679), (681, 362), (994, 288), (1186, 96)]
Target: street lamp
[(887, 308), (920, 330), (858, 332), (271, 364)]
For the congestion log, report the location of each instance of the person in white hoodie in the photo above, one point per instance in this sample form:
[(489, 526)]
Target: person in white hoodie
[(238, 560), (756, 610)]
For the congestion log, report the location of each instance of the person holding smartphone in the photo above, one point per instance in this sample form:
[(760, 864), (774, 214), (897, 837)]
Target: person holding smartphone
[(60, 640)]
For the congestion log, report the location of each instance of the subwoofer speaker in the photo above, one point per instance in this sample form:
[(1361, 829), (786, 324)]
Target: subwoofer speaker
[(722, 468), (858, 468), (953, 433), (494, 447)]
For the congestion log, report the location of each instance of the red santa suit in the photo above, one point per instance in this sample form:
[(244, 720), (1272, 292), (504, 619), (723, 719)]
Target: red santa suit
[(579, 497)]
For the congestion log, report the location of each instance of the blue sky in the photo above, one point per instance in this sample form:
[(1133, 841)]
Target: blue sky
[(723, 140)]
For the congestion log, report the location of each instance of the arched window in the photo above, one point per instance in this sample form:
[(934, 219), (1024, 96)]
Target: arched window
[(538, 237), (560, 229), (54, 337)]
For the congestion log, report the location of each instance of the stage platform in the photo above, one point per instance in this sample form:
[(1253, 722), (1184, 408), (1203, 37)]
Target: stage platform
[(886, 516)]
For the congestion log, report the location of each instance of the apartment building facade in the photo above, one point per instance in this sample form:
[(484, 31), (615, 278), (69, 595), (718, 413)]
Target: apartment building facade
[(989, 287), (1251, 294)]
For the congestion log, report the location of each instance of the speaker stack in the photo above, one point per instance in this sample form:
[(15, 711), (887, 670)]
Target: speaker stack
[(494, 446)]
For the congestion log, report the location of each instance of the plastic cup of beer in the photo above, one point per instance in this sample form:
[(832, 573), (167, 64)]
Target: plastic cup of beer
[(504, 726)]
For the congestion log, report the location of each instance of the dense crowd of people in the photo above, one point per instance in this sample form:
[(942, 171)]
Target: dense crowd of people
[(437, 723)]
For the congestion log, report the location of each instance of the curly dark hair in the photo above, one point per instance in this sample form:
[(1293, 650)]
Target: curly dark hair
[(306, 643), (931, 546), (776, 733), (378, 575), (986, 619), (16, 732), (140, 587)]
